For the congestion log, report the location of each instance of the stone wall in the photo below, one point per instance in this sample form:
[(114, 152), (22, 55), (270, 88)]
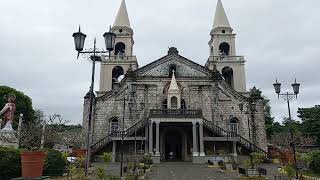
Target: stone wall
[(219, 102)]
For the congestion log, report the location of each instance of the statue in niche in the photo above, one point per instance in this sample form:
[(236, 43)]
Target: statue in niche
[(8, 112)]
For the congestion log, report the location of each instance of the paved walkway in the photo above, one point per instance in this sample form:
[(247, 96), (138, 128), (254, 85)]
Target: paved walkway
[(188, 171)]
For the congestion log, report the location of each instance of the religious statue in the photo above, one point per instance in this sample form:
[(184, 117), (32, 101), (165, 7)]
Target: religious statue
[(8, 112)]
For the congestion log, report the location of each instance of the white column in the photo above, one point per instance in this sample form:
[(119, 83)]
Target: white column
[(201, 139), (157, 139), (145, 141), (20, 123), (150, 139), (114, 144), (235, 148), (194, 139)]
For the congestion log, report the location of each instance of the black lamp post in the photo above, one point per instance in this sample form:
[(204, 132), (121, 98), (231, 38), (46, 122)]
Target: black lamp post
[(95, 56), (133, 90), (252, 108), (288, 97)]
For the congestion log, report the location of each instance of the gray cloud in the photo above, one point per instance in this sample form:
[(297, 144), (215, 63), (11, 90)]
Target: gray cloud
[(278, 39)]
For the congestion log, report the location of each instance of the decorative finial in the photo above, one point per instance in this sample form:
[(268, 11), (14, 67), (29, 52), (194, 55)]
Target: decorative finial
[(79, 28), (173, 50)]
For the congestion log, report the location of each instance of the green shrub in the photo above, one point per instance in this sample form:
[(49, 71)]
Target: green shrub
[(146, 159), (290, 170), (10, 163), (55, 163), (106, 157), (315, 164)]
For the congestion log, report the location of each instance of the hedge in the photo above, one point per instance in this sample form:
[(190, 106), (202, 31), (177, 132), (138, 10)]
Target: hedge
[(10, 163), (55, 163)]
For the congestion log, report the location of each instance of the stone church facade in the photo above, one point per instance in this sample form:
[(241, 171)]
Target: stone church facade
[(174, 108)]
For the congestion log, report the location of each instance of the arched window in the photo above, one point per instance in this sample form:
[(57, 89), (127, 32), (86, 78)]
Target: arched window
[(174, 102), (227, 73), (224, 49), (234, 127), (165, 104), (117, 71), (211, 50), (114, 125), (120, 48), (172, 68), (183, 104)]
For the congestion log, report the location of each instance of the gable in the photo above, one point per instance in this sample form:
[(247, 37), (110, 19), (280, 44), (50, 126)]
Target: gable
[(184, 68)]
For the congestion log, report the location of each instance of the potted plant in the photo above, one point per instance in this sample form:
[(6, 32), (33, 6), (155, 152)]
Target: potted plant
[(32, 158)]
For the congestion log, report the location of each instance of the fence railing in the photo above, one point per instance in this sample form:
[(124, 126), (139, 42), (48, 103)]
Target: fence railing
[(175, 113), (226, 58)]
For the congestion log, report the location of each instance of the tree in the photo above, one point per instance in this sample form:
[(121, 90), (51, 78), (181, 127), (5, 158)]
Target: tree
[(284, 139), (272, 127), (291, 125), (54, 126), (310, 121), (23, 104)]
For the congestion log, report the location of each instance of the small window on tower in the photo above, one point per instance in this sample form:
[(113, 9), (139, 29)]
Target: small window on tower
[(223, 31), (120, 48), (120, 30)]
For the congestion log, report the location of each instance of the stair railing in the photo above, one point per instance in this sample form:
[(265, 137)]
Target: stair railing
[(222, 132), (107, 139)]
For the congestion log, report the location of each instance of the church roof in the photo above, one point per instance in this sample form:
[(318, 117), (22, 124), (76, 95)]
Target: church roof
[(173, 56), (173, 84), (122, 19), (220, 18)]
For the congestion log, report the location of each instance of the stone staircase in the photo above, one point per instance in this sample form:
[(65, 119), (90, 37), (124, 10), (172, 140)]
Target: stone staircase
[(96, 147), (242, 141)]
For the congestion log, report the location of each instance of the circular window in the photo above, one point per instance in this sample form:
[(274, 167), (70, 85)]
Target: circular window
[(120, 30), (223, 31)]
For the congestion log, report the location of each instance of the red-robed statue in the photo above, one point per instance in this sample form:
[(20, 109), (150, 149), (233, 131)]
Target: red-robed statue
[(8, 112)]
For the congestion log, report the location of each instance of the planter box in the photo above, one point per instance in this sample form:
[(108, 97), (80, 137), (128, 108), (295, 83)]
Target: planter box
[(79, 152), (253, 172)]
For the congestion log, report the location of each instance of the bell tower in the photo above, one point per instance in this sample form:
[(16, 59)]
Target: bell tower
[(223, 54), (122, 57)]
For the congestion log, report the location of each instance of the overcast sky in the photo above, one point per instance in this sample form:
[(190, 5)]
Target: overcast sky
[(278, 39)]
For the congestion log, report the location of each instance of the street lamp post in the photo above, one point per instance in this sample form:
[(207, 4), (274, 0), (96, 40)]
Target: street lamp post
[(95, 56), (133, 90), (252, 108), (288, 97)]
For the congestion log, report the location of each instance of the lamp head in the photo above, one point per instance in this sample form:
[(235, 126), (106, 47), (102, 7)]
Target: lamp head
[(79, 39), (296, 87), (109, 39), (277, 87)]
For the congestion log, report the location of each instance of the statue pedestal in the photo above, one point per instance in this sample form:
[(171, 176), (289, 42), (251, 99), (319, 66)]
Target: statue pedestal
[(8, 139)]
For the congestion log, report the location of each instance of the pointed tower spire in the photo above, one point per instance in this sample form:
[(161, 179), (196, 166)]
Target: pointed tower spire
[(173, 85), (122, 19), (220, 18)]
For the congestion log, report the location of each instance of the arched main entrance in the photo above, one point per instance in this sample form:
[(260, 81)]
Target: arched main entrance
[(174, 144)]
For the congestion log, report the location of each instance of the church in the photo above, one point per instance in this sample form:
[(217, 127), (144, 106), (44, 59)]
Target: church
[(174, 108)]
